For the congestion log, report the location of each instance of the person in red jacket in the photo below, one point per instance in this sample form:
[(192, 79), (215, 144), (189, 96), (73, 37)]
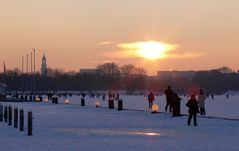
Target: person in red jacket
[(192, 104), (150, 99)]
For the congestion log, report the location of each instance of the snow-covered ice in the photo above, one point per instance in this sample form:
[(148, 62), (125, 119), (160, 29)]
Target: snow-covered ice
[(71, 127)]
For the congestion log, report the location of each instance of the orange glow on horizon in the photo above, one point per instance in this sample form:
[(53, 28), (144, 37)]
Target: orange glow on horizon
[(151, 50)]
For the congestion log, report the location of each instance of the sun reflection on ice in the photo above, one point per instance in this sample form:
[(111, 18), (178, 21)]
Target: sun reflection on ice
[(107, 132), (148, 134)]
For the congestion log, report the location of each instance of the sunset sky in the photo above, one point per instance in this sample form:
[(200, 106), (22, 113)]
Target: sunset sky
[(74, 34)]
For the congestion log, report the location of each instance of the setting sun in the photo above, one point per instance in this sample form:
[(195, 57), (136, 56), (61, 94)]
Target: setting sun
[(148, 49), (152, 50)]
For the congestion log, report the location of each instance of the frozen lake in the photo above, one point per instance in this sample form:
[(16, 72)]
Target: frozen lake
[(70, 127), (220, 106)]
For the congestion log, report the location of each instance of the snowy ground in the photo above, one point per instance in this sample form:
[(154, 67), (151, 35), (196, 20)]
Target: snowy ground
[(72, 127)]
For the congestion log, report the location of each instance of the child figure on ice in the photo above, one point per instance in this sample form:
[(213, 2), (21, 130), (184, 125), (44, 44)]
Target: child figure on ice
[(201, 102), (192, 104), (150, 99)]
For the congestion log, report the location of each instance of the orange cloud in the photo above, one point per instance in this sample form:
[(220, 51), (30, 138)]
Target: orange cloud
[(186, 55), (104, 43)]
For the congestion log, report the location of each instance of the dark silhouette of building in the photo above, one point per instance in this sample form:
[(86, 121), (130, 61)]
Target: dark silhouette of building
[(44, 66)]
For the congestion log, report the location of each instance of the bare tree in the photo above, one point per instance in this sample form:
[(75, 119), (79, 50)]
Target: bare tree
[(110, 70), (55, 72), (141, 72), (225, 69), (127, 70), (131, 70)]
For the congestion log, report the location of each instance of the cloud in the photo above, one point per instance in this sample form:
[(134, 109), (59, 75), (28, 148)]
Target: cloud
[(153, 50), (105, 43), (186, 55), (147, 49)]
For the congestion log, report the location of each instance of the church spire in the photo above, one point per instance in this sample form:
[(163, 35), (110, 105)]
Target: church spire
[(4, 67), (44, 65)]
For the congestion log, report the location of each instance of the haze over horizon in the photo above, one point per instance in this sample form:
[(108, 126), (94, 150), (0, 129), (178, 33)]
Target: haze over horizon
[(76, 34)]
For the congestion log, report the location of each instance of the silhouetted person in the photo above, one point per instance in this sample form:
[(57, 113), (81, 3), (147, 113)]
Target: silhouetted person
[(192, 104), (169, 94), (150, 99), (49, 96), (117, 96), (175, 104), (212, 96), (201, 102), (103, 97), (110, 95), (227, 96)]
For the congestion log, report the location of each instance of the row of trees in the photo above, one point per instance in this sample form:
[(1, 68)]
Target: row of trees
[(111, 76), (107, 76)]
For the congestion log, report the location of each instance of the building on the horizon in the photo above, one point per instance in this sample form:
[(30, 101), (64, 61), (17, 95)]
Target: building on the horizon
[(3, 91), (43, 66), (176, 74), (183, 74)]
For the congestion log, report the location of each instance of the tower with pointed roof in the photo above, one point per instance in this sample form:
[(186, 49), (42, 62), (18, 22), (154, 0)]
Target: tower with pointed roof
[(43, 66)]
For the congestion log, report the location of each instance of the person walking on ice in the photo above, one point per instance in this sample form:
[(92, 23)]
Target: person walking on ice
[(169, 94), (150, 99), (201, 102)]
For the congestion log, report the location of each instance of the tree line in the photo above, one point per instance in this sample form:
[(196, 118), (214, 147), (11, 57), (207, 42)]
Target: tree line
[(111, 76)]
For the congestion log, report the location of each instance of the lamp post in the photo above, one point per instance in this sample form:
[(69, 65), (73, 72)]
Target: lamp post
[(31, 74), (22, 73), (34, 70), (27, 73)]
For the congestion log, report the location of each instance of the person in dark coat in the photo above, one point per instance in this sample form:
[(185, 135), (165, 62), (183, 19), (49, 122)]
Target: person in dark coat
[(150, 99), (169, 95), (175, 104), (192, 104)]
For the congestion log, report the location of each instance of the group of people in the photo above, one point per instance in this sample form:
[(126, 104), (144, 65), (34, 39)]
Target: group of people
[(173, 103)]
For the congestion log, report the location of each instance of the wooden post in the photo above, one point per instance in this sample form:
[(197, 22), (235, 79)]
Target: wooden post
[(111, 103), (9, 115), (1, 113), (15, 117), (120, 105), (21, 120), (5, 114), (30, 123), (40, 98), (82, 101), (55, 100)]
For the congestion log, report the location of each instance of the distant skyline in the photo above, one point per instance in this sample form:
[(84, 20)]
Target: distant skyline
[(76, 34)]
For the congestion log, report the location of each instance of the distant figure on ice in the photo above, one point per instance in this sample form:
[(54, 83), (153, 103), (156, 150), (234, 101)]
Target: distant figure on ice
[(175, 103), (169, 94), (212, 95), (117, 96), (192, 104), (150, 99), (110, 95), (201, 102), (103, 97), (227, 96)]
